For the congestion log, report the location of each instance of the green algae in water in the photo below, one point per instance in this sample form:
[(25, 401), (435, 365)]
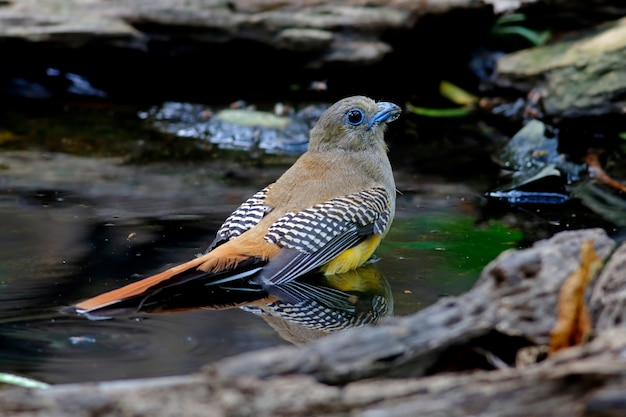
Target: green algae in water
[(439, 254), (470, 246)]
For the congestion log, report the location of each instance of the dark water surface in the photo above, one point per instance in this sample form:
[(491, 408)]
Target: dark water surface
[(79, 217)]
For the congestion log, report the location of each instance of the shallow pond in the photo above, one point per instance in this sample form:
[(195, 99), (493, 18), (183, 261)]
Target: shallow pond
[(90, 200)]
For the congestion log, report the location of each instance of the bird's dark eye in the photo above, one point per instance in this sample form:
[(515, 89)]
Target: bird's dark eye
[(355, 117)]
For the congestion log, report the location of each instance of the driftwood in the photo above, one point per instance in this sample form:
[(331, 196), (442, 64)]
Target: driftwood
[(480, 354)]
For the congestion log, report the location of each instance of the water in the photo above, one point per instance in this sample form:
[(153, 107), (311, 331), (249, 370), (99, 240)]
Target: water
[(75, 224), (54, 256)]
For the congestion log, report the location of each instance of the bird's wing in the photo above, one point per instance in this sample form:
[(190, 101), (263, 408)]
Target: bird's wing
[(312, 237), (245, 217)]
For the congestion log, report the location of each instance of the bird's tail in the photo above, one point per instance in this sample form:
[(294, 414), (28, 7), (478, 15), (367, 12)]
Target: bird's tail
[(201, 271)]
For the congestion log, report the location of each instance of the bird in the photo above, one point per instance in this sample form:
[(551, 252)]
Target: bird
[(327, 213)]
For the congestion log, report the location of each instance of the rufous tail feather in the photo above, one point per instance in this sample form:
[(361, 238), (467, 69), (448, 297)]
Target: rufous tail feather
[(135, 288), (207, 264), (223, 258)]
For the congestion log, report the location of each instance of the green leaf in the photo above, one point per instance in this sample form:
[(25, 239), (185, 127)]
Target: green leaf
[(456, 94), (21, 381), (534, 37), (440, 112), (510, 18)]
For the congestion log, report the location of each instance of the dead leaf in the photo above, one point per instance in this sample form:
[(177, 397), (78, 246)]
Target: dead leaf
[(596, 171), (573, 321)]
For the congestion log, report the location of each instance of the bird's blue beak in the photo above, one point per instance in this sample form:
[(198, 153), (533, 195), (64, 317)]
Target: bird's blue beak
[(387, 112)]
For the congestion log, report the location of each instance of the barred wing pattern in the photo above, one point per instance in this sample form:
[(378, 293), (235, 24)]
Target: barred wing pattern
[(311, 229), (245, 217), (312, 237)]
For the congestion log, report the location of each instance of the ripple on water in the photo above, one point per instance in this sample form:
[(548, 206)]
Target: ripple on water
[(61, 349)]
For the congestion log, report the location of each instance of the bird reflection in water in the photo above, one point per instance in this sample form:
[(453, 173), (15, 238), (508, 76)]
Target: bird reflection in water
[(312, 306)]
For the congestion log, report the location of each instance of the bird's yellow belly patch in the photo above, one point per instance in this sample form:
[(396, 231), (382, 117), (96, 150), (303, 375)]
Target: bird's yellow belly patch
[(353, 257)]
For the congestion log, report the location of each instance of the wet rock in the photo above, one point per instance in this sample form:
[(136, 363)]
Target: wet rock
[(539, 174), (583, 75), (304, 39), (256, 132), (535, 148)]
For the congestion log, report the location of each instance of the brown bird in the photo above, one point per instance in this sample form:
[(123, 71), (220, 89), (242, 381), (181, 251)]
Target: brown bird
[(326, 213)]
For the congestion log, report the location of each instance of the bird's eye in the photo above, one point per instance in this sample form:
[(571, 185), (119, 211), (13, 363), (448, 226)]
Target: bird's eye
[(355, 117)]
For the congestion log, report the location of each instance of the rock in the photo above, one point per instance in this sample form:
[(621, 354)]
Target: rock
[(299, 26), (584, 75), (257, 132), (304, 39)]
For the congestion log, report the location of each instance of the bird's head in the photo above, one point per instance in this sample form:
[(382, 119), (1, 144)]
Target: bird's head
[(354, 124)]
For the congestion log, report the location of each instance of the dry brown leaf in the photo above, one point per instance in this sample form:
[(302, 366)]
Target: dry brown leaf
[(595, 169), (573, 321)]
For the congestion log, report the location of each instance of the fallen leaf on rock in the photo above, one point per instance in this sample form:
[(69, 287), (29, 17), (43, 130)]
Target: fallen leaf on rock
[(573, 321)]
